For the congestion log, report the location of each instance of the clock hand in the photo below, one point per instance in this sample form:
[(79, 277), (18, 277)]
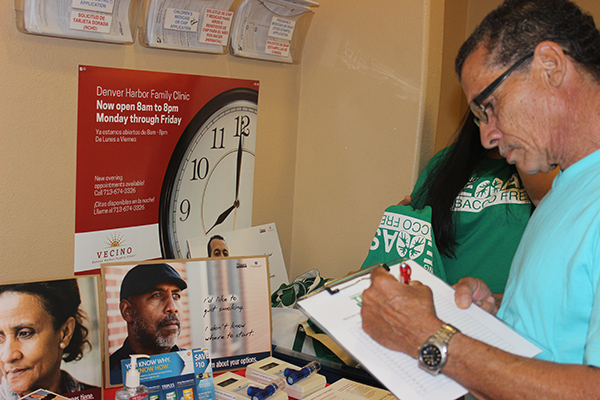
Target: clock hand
[(239, 168), (236, 204), (222, 217)]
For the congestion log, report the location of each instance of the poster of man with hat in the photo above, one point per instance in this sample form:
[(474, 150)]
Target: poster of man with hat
[(158, 307), (151, 303)]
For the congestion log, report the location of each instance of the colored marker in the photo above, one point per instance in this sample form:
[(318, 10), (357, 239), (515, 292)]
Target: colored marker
[(405, 273)]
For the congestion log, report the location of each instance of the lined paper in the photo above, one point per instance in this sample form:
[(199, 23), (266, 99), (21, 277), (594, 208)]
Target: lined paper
[(339, 315)]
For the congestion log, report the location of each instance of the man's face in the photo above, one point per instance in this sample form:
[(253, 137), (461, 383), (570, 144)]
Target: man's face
[(218, 248), (155, 317), (519, 123)]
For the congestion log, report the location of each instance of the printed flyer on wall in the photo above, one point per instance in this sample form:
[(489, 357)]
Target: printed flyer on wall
[(261, 239), (160, 157)]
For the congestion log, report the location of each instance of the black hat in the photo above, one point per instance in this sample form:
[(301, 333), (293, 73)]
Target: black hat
[(144, 277)]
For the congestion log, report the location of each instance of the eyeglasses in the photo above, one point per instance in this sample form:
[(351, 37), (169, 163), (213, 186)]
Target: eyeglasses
[(476, 104)]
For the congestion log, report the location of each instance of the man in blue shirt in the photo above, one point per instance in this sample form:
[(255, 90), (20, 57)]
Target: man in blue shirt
[(531, 73)]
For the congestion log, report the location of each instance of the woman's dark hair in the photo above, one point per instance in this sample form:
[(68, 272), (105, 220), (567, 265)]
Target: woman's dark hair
[(518, 26), (446, 180), (61, 300)]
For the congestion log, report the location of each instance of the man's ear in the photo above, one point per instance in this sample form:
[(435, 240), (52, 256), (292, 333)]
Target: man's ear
[(126, 309), (552, 62)]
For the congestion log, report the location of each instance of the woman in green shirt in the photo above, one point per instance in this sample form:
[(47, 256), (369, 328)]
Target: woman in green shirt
[(480, 207)]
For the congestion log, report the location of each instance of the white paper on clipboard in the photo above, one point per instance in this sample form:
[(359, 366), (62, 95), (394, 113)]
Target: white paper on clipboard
[(339, 315)]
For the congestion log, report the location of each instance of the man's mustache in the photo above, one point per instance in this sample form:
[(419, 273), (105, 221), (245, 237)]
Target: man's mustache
[(170, 320)]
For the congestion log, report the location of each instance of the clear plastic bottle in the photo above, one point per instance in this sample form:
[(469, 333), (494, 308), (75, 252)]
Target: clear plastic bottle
[(133, 390), (273, 387)]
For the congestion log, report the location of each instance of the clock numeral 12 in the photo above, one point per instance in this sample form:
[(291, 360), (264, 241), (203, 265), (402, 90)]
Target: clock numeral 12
[(242, 126)]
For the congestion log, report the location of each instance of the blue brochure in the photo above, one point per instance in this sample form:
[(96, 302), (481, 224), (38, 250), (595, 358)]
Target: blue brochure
[(181, 375)]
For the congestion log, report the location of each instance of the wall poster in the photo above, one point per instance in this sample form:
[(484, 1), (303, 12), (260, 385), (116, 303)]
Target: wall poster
[(222, 304), (161, 158), (66, 360)]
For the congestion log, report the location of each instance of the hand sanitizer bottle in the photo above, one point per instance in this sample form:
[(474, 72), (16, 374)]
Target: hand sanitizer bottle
[(133, 390)]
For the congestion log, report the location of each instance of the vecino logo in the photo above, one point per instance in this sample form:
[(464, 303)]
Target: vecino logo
[(115, 247)]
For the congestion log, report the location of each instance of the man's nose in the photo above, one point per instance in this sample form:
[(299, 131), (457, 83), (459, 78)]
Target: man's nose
[(490, 135), (172, 306)]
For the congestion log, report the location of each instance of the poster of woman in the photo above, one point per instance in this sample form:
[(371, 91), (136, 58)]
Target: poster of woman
[(50, 338)]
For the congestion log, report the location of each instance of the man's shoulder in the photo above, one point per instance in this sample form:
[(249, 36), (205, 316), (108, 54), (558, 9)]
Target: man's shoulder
[(120, 354)]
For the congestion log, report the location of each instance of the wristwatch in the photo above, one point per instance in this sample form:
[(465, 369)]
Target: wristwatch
[(433, 354)]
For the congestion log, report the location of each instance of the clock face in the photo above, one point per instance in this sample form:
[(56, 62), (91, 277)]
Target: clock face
[(208, 184)]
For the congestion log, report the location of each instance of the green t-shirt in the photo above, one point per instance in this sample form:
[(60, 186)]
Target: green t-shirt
[(490, 213), (405, 233)]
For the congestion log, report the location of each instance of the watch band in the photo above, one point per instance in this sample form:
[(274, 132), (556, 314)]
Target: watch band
[(433, 354), (446, 332)]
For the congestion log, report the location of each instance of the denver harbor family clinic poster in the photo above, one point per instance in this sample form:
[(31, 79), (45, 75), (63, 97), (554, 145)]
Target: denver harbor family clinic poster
[(129, 123)]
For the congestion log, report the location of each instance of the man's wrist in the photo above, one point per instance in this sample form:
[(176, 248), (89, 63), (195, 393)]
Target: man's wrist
[(433, 353)]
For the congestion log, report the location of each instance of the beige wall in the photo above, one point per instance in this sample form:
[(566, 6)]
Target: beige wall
[(452, 101), (339, 135), (364, 122)]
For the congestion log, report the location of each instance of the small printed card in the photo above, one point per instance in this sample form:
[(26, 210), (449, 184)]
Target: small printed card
[(43, 394)]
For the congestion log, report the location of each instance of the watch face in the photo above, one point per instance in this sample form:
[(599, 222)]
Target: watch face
[(208, 184), (431, 356)]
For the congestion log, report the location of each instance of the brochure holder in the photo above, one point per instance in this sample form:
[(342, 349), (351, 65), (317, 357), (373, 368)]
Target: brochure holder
[(190, 25), (272, 30), (112, 21)]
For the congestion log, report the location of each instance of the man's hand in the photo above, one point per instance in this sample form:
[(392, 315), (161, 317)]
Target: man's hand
[(472, 290), (398, 316)]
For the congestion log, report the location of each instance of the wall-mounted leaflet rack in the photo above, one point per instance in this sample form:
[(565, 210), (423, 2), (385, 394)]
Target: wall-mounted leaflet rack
[(112, 21), (190, 25), (273, 30)]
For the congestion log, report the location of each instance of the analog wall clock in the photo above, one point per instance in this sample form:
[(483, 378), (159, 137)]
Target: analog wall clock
[(208, 184)]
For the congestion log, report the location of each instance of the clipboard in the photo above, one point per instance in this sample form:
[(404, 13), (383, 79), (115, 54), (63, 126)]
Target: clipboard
[(336, 309), (338, 284)]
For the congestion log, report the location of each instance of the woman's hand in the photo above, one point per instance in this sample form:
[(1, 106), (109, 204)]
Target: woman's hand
[(405, 201)]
